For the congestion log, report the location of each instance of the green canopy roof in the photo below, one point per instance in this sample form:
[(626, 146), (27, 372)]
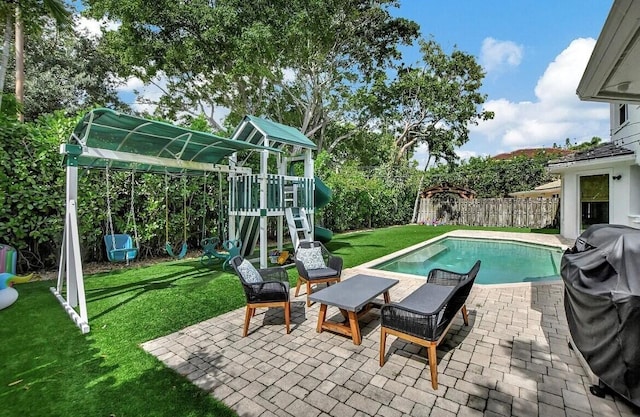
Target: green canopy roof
[(254, 129), (128, 142)]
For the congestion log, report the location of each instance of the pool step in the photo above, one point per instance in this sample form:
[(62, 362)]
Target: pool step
[(416, 261)]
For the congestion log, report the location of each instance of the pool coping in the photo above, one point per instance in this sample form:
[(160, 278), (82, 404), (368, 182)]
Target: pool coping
[(555, 241)]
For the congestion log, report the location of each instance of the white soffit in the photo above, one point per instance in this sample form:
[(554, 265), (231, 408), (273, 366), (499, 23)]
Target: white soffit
[(612, 73)]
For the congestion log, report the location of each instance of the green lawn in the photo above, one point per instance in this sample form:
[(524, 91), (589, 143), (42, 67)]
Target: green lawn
[(49, 368)]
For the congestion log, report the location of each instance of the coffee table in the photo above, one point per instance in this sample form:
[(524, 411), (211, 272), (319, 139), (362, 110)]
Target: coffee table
[(354, 297)]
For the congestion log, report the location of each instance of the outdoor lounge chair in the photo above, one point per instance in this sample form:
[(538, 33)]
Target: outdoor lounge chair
[(267, 287), (316, 265), (424, 317)]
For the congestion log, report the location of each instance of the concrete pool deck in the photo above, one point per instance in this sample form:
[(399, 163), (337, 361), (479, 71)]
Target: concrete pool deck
[(512, 360)]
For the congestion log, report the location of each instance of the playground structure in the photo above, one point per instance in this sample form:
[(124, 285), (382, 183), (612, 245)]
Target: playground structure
[(107, 139)]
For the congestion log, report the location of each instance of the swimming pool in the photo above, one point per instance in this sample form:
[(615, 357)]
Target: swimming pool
[(502, 261)]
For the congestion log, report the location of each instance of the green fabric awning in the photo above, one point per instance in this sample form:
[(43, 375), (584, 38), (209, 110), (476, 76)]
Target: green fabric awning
[(129, 142), (255, 129)]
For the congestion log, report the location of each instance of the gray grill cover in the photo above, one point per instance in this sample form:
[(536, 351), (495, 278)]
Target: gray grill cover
[(602, 302)]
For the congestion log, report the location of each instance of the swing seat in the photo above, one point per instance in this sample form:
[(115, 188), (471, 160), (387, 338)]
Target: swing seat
[(233, 248), (211, 254), (180, 255), (123, 251)]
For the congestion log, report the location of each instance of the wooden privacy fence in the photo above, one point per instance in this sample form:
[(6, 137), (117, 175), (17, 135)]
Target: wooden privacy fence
[(492, 212)]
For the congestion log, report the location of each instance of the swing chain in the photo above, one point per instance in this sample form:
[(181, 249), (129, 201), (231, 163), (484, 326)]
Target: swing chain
[(166, 212), (204, 208), (109, 218), (133, 212), (184, 209)]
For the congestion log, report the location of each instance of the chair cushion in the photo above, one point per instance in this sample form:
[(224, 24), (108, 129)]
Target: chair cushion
[(321, 273), (311, 258), (271, 291), (249, 273), (427, 298)]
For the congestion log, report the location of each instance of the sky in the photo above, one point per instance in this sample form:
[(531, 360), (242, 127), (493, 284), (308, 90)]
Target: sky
[(533, 53)]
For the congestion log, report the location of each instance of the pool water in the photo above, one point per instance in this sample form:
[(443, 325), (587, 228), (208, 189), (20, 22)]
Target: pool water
[(502, 261)]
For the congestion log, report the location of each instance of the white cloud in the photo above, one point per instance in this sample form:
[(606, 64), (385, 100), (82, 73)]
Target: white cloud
[(557, 113), (498, 55), (422, 154), (561, 78), (94, 27), (147, 94), (464, 155), (130, 85), (288, 75)]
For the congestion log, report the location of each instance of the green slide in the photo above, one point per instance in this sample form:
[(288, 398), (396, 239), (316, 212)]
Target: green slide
[(322, 197)]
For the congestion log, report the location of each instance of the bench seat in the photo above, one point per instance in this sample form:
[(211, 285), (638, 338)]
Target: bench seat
[(425, 315)]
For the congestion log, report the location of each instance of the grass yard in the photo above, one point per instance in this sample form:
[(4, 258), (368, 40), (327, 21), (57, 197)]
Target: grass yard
[(50, 369)]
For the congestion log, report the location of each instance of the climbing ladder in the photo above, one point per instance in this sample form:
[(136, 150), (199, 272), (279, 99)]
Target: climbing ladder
[(290, 195), (298, 224)]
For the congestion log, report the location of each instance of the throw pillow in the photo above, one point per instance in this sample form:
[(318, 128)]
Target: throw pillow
[(311, 258), (249, 273)]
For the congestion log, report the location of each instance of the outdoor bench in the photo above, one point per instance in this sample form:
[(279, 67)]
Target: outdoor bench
[(425, 315)]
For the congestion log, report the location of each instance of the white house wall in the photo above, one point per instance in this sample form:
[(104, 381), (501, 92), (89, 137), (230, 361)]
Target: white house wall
[(623, 198), (634, 196), (626, 134)]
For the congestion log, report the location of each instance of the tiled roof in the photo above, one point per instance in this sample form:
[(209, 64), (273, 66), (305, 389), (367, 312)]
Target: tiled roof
[(531, 152), (606, 150)]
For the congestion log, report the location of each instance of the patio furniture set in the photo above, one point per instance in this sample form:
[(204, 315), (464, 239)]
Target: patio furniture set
[(423, 317)]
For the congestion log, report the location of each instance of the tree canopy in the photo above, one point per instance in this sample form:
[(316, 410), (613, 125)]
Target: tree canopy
[(432, 102), (493, 178), (295, 61), (333, 68)]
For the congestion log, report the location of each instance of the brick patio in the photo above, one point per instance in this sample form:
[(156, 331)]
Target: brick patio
[(512, 360)]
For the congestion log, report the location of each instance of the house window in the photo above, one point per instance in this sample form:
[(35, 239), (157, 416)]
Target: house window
[(594, 200), (623, 114)]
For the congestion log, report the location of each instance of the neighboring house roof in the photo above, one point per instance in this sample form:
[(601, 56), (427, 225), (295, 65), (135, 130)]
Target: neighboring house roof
[(545, 190), (531, 152)]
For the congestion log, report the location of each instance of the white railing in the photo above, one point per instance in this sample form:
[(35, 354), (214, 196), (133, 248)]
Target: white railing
[(282, 191)]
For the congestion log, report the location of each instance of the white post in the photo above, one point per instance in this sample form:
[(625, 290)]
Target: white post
[(308, 173), (72, 267), (264, 159), (233, 158), (282, 170), (70, 260)]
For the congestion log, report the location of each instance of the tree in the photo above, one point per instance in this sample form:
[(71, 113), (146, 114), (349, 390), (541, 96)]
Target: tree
[(595, 141), (490, 177), (68, 71), (297, 61), (32, 12), (433, 103)]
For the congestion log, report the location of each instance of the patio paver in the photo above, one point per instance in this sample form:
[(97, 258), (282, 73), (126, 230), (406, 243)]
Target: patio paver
[(513, 359)]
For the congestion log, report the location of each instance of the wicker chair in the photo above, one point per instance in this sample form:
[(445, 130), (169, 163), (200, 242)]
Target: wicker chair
[(316, 265), (267, 288), (424, 317)]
